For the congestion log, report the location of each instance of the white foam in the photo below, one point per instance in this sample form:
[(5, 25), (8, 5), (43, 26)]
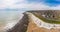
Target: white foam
[(12, 23)]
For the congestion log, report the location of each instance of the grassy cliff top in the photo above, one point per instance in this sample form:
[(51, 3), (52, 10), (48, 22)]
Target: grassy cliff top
[(38, 14)]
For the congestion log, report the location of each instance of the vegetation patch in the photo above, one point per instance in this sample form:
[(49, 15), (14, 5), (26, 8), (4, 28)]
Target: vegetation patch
[(47, 20)]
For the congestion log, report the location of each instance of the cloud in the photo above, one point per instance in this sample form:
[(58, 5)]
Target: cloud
[(9, 3), (56, 7), (24, 4)]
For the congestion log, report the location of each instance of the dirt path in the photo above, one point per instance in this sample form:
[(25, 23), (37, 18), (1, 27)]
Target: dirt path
[(32, 27)]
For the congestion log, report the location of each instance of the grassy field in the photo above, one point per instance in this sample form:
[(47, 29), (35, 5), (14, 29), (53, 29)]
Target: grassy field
[(46, 20)]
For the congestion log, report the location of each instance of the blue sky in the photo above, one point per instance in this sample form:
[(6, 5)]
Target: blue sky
[(52, 2), (47, 2), (29, 4)]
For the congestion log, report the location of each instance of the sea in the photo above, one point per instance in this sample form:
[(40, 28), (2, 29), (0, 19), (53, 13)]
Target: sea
[(9, 18)]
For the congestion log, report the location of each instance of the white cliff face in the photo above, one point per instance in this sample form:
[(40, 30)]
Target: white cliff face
[(41, 23)]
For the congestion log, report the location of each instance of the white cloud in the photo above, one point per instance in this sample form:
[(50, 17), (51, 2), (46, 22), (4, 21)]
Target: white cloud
[(24, 4), (9, 3), (30, 6), (55, 8)]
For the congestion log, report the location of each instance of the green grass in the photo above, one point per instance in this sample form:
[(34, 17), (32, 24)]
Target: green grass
[(46, 20)]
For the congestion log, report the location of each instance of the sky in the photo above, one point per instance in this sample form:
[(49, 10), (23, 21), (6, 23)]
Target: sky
[(30, 4)]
